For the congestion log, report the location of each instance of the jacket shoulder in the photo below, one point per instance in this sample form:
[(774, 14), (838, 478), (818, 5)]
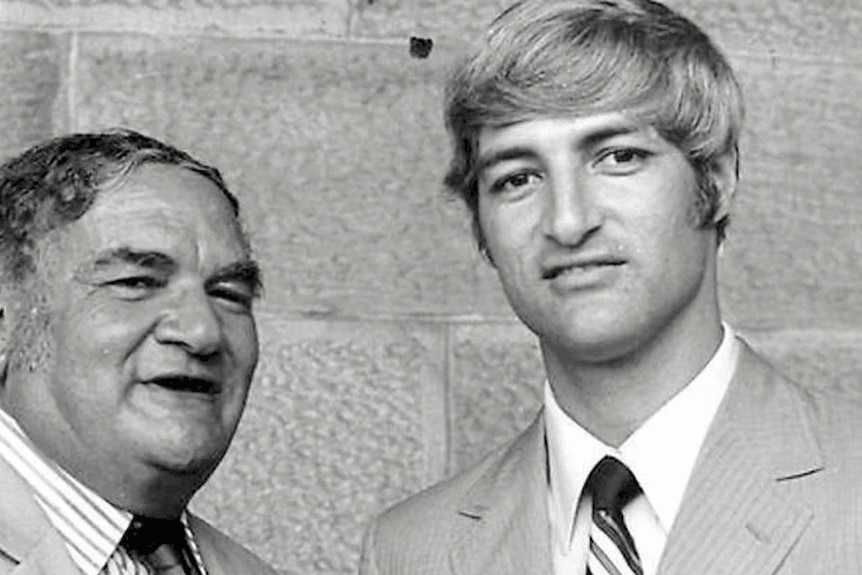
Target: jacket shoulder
[(221, 554), (831, 414), (837, 419), (416, 535), (438, 505)]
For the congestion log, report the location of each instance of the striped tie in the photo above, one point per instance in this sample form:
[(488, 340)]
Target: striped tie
[(612, 550)]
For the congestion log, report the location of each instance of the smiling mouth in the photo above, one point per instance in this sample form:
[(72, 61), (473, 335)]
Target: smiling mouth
[(584, 267), (186, 384)]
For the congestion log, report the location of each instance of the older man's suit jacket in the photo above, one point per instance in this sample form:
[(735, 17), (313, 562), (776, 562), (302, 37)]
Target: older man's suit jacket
[(777, 489), (29, 544)]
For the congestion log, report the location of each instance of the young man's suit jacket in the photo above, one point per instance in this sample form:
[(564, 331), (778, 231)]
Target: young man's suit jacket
[(29, 544), (777, 489)]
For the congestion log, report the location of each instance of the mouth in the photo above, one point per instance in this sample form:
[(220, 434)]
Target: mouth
[(554, 271), (186, 384)]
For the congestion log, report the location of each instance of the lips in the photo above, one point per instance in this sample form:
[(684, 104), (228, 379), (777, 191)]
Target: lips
[(553, 270), (186, 383)]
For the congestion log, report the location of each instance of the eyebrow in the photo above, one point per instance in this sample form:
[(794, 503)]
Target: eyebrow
[(141, 258), (245, 271), (502, 155), (590, 139)]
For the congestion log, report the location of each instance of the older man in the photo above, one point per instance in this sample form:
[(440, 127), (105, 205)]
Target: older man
[(128, 347), (595, 143)]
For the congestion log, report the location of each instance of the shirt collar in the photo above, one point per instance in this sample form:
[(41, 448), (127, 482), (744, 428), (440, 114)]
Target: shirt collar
[(660, 457)]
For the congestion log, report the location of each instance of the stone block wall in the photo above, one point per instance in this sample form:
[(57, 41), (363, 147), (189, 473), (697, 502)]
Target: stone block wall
[(390, 358)]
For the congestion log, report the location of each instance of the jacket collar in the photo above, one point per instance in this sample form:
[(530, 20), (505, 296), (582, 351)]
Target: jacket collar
[(504, 528), (740, 501)]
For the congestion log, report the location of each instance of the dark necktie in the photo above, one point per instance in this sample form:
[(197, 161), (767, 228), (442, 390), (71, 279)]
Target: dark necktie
[(612, 550), (161, 544)]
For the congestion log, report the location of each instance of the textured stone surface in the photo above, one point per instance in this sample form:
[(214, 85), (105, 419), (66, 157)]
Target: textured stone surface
[(815, 358), (335, 430), (794, 255), (443, 21), (31, 79), (817, 30), (823, 31), (211, 17), (335, 150), (496, 379)]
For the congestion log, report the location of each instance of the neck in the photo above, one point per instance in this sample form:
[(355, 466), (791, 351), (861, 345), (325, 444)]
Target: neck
[(150, 500), (612, 398)]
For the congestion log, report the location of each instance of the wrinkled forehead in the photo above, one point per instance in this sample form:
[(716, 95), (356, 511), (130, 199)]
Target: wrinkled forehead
[(156, 194), (114, 176), (160, 209)]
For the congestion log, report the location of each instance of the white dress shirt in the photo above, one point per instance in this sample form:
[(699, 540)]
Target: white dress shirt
[(661, 454), (90, 526)]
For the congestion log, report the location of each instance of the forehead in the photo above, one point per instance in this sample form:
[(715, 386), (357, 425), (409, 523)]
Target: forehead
[(552, 131), (159, 208)]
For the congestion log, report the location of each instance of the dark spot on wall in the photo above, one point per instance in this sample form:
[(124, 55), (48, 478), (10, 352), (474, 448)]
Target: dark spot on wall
[(420, 47)]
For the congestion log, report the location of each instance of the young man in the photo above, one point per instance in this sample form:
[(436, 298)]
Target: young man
[(595, 143), (128, 347)]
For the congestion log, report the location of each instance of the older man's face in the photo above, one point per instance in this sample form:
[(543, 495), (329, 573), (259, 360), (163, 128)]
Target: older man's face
[(136, 349)]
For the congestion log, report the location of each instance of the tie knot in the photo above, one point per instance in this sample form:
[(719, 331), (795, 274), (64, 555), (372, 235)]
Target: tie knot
[(145, 534), (611, 484)]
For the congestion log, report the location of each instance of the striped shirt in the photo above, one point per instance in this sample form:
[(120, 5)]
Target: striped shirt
[(90, 526)]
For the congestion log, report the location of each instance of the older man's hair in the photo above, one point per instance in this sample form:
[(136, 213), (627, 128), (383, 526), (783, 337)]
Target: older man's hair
[(56, 182), (577, 57)]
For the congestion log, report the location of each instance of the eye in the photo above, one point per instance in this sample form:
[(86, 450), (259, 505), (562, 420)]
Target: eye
[(621, 161), (517, 182), (135, 285), (238, 297)]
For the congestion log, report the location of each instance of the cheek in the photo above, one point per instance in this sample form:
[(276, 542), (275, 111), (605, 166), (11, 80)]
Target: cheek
[(241, 335), (31, 339), (681, 254), (507, 230), (99, 339)]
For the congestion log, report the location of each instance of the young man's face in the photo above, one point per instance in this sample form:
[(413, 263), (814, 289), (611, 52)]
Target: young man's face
[(135, 353), (590, 224)]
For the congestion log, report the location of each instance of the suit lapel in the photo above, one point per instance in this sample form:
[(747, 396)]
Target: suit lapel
[(209, 550), (26, 536), (504, 527), (738, 514)]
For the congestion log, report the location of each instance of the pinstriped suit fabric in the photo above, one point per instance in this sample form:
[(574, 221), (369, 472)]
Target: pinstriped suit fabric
[(775, 490)]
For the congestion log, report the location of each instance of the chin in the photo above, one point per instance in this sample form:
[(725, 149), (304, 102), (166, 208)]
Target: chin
[(184, 462), (591, 345)]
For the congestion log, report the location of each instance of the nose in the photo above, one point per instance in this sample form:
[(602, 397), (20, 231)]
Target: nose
[(570, 214), (191, 323)]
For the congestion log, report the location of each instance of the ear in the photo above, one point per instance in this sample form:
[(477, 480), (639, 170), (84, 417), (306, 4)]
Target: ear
[(486, 255), (725, 176), (481, 241)]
